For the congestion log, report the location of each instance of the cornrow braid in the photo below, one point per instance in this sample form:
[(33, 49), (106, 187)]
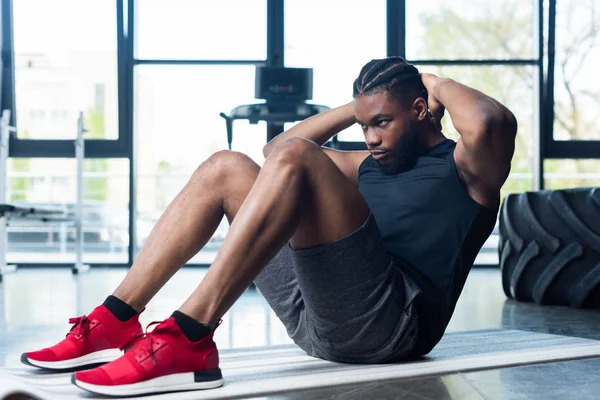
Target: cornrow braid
[(393, 75)]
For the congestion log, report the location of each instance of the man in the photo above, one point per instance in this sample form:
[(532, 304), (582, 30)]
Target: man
[(362, 255)]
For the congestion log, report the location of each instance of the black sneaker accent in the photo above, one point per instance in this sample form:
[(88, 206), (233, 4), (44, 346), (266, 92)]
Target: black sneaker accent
[(25, 360), (207, 376), (123, 311), (191, 328)]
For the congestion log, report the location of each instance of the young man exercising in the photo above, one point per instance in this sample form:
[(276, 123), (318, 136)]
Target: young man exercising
[(362, 255)]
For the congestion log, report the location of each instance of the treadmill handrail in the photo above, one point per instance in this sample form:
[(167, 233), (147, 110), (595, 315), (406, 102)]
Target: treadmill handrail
[(264, 112)]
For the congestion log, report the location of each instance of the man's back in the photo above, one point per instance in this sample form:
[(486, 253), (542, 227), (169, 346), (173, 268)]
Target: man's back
[(432, 226)]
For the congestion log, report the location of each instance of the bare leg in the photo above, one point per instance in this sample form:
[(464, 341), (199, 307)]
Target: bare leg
[(299, 194), (219, 186)]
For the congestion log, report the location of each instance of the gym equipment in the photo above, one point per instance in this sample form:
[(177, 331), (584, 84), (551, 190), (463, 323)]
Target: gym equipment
[(263, 371), (280, 84), (10, 213), (285, 91), (549, 247)]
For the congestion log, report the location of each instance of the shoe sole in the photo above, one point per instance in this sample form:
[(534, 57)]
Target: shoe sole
[(169, 383), (97, 357)]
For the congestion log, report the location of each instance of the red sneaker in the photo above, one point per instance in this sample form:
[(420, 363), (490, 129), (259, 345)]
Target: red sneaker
[(94, 339), (163, 360)]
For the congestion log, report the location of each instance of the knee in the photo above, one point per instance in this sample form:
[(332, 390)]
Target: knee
[(294, 152), (224, 164), (227, 158)]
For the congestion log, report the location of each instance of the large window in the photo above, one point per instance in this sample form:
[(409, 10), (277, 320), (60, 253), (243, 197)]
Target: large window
[(51, 183), (470, 29), (576, 85), (192, 29), (199, 64), (189, 60), (65, 62), (331, 37), (178, 127)]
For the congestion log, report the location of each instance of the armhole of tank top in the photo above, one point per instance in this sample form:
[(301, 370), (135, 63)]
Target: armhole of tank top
[(362, 165), (453, 171)]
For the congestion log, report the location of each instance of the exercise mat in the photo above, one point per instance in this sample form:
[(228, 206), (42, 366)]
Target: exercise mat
[(261, 371)]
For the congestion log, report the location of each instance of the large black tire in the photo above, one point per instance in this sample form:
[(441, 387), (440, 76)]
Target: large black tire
[(549, 247)]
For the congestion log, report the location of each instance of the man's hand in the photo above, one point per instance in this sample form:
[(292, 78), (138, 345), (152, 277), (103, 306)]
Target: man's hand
[(436, 109)]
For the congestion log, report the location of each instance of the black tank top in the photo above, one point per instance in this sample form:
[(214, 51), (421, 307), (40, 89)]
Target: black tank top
[(432, 227)]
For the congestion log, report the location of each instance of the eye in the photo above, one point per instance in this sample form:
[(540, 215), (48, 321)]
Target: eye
[(363, 126), (383, 122)]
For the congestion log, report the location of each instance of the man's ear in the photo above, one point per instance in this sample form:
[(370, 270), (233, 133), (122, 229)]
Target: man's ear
[(419, 109)]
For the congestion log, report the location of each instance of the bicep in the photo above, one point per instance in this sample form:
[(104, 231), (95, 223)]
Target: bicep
[(484, 159)]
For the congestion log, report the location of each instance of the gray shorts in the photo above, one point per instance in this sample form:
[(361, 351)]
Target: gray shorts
[(346, 301)]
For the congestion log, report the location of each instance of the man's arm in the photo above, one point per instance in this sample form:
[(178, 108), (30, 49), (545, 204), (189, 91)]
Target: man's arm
[(319, 129), (487, 136)]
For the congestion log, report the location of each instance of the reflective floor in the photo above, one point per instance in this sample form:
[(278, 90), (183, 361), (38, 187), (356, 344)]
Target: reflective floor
[(42, 300)]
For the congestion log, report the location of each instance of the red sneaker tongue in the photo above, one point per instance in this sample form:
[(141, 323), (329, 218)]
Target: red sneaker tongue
[(166, 324)]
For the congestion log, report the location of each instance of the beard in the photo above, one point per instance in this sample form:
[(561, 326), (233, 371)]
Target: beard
[(405, 156)]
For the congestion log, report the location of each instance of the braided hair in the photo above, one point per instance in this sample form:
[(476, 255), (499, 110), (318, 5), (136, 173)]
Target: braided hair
[(393, 75)]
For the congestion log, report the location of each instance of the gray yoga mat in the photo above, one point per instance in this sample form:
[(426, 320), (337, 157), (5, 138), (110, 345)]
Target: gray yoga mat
[(261, 371)]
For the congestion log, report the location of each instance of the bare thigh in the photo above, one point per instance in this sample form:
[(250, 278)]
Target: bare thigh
[(332, 206)]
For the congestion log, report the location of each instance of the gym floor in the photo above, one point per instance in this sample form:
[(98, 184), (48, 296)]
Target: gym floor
[(35, 305)]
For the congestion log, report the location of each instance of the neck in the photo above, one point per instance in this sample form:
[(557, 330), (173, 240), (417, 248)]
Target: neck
[(431, 137)]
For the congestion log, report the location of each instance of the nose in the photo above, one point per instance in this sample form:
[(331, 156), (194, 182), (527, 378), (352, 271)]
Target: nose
[(372, 139)]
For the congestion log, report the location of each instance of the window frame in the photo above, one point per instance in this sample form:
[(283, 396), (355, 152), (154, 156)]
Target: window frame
[(545, 147), (556, 149), (57, 148)]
